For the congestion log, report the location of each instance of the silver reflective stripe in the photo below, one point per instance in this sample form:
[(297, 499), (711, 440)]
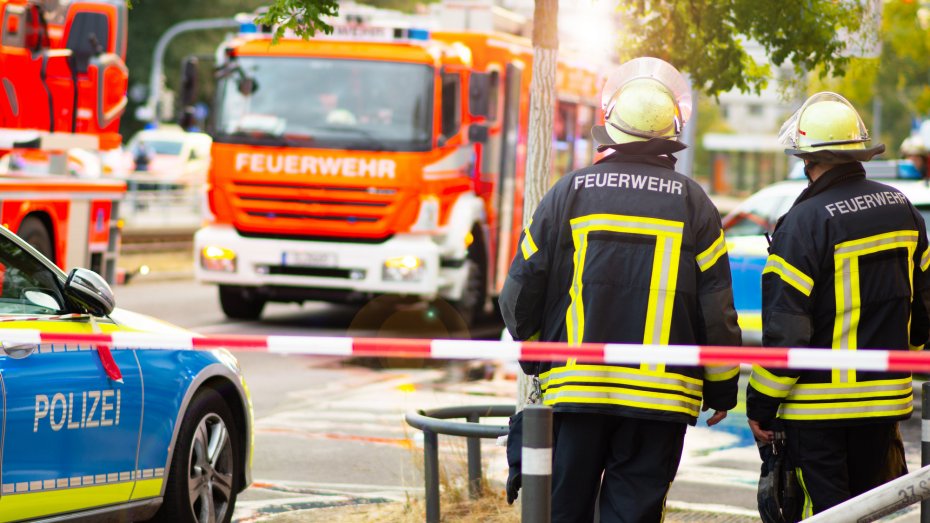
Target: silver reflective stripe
[(851, 249), (845, 375), (789, 409), (567, 395), (619, 373), (787, 273), (717, 249), (925, 260), (800, 391), (662, 299), (770, 383), (632, 224), (576, 334)]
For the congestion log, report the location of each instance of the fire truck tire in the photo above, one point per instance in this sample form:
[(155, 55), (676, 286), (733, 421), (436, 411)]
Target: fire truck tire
[(239, 303), (34, 232), (470, 305), (205, 457)]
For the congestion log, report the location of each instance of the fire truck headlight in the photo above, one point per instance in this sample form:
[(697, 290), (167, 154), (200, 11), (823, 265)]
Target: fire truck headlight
[(428, 218), (213, 258), (403, 268)]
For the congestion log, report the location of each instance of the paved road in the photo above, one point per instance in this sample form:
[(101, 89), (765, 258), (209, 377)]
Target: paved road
[(330, 432)]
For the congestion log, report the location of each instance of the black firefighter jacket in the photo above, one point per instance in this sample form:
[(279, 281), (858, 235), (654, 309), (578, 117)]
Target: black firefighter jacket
[(847, 270), (626, 251)]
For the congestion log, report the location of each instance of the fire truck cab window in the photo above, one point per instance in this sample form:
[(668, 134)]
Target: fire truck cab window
[(28, 286), (88, 30), (451, 104), (331, 103)]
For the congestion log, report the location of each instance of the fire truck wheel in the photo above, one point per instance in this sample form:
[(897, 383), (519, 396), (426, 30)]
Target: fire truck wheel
[(470, 305), (239, 303), (202, 478), (34, 232)]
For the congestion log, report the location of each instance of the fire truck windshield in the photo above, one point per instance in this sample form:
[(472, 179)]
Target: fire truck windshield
[(327, 103)]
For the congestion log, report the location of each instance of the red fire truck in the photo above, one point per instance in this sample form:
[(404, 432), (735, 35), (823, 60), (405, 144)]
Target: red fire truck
[(379, 160), (63, 84)]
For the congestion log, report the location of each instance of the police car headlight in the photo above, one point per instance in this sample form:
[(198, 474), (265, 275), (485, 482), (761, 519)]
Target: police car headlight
[(220, 259), (403, 268)]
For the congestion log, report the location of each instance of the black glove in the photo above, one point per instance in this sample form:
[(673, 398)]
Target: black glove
[(514, 456)]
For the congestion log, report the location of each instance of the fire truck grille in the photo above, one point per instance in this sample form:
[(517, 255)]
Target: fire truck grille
[(313, 209)]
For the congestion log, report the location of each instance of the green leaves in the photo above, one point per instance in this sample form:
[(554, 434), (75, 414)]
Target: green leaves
[(707, 38), (303, 17)]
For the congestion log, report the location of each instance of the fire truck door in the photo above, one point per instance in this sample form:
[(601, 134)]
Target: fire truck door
[(506, 187)]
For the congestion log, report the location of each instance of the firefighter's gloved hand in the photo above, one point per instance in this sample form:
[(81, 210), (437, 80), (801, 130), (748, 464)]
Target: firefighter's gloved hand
[(514, 456)]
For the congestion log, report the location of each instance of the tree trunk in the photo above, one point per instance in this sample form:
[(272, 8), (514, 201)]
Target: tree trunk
[(539, 142)]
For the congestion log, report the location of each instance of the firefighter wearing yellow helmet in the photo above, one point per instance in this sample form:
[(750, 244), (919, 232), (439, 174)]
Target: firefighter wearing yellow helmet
[(847, 270), (628, 251)]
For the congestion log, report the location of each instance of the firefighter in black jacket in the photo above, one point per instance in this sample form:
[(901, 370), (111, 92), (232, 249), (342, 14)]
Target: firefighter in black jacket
[(626, 251), (846, 271)]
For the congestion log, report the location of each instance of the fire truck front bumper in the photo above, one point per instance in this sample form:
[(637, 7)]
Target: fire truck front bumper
[(287, 269)]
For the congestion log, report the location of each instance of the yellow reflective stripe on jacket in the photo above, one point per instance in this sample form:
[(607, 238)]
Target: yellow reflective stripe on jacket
[(769, 384), (789, 274), (709, 257), (720, 372), (31, 505), (622, 396), (663, 280), (844, 391), (528, 246), (846, 410), (925, 260), (607, 374), (847, 287)]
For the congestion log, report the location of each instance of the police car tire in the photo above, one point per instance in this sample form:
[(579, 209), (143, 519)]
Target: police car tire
[(176, 507), (238, 303), (34, 232)]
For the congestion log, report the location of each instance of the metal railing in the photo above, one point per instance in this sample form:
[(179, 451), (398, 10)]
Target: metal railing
[(436, 421)]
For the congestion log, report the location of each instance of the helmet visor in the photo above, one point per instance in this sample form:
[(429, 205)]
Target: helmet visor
[(794, 136), (656, 69)]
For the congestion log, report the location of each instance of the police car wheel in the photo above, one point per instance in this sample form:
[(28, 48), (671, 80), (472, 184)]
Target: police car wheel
[(202, 479)]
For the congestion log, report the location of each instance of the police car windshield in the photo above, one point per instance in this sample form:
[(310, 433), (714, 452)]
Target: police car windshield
[(26, 285), (327, 103)]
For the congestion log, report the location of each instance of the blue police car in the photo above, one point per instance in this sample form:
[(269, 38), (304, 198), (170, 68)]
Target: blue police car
[(170, 440), (747, 225)]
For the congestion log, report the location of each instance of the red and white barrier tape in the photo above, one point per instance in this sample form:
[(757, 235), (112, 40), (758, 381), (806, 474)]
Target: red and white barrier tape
[(877, 360)]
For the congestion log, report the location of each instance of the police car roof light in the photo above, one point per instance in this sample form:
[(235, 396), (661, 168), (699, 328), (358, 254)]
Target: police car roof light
[(248, 28), (418, 34)]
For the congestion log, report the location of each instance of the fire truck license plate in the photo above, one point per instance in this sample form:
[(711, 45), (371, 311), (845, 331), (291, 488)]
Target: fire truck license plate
[(308, 259)]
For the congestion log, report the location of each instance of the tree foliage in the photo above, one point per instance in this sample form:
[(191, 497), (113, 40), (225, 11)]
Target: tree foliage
[(706, 38), (899, 78), (304, 17)]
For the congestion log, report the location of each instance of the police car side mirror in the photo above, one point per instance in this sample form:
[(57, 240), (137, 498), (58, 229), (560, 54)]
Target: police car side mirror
[(87, 292)]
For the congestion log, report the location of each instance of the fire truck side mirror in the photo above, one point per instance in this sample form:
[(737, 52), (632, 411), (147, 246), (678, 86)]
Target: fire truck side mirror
[(479, 94), (189, 72), (478, 133), (246, 85)]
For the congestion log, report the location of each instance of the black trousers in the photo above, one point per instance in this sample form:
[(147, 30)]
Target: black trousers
[(837, 464), (637, 458)]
